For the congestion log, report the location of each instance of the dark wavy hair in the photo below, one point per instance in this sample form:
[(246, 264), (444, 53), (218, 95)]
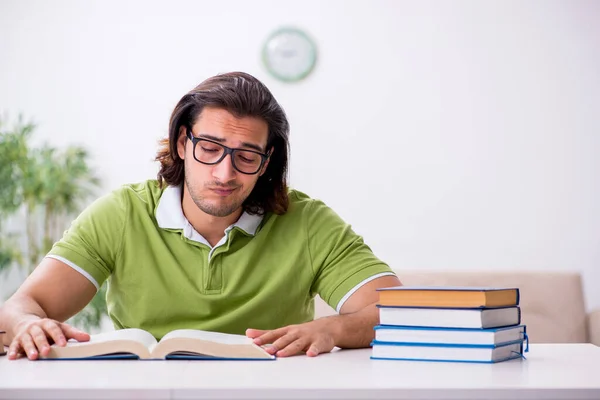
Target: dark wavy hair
[(242, 95)]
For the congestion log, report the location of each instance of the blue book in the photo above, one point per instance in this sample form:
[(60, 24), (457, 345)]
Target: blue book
[(480, 318), (447, 352), (419, 334), (182, 344)]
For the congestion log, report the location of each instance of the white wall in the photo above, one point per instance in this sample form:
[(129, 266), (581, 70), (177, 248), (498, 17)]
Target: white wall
[(451, 134)]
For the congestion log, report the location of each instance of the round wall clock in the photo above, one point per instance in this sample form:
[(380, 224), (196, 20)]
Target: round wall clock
[(289, 54)]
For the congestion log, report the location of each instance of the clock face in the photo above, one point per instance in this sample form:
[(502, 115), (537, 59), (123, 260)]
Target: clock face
[(289, 54)]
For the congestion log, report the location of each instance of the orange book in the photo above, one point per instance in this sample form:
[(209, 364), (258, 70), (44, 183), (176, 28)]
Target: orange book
[(2, 349), (448, 297)]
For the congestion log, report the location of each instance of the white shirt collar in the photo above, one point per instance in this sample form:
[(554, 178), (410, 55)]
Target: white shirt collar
[(169, 215)]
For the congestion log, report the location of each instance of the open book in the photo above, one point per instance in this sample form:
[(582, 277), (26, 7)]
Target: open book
[(179, 344)]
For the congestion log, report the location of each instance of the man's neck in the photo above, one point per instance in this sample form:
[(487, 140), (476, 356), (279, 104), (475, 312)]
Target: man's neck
[(210, 227)]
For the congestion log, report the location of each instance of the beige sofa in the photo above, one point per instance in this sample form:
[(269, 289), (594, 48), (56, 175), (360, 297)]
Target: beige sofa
[(552, 303)]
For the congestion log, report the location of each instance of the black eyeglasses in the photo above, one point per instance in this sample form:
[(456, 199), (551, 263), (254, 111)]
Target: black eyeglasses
[(209, 152)]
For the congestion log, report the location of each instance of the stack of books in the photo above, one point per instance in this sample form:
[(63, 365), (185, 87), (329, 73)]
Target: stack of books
[(466, 324)]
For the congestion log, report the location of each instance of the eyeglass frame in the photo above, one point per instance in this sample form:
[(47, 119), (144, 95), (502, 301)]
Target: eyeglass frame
[(227, 151)]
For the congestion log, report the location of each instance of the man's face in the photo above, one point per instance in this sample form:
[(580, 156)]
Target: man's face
[(220, 190)]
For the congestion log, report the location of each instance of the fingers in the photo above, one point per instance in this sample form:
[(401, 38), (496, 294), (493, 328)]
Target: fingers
[(40, 341), (74, 333), (34, 341), (291, 348), (270, 336), (281, 345), (54, 331), (293, 339), (313, 350), (253, 333), (14, 349), (29, 347), (287, 348)]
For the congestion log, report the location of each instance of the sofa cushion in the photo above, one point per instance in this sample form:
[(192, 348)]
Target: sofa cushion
[(552, 303)]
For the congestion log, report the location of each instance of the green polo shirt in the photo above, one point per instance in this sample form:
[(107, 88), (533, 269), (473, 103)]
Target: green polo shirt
[(265, 272)]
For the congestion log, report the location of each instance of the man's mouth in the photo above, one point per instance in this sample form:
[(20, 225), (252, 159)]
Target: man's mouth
[(223, 192)]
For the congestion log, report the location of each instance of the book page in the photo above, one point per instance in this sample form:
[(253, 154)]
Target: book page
[(205, 343), (133, 341), (137, 335), (217, 337)]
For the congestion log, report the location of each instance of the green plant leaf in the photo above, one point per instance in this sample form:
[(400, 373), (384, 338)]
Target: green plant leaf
[(49, 186)]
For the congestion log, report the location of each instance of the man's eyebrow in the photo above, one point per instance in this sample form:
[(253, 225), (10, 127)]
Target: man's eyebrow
[(221, 140), (253, 146), (211, 137)]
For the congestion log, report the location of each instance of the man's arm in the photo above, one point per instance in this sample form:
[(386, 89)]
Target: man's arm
[(353, 328), (51, 294)]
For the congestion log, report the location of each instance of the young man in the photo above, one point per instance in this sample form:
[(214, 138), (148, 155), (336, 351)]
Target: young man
[(218, 242)]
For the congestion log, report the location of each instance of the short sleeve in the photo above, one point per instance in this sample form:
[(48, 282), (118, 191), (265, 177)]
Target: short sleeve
[(340, 258), (93, 241)]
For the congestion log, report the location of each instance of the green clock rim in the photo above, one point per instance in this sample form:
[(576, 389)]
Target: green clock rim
[(313, 54)]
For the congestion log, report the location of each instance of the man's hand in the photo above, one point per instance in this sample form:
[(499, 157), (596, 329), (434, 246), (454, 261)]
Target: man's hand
[(314, 337), (31, 337), (351, 329)]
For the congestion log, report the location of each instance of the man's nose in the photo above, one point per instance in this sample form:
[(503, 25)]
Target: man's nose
[(224, 171)]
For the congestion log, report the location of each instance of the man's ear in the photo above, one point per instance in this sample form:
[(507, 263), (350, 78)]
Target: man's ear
[(181, 141), (266, 164)]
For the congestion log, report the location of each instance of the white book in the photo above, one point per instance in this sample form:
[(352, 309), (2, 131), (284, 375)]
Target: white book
[(463, 353), (450, 317), (416, 334)]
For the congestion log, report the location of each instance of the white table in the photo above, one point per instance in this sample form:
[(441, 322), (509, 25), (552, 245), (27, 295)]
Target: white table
[(551, 371)]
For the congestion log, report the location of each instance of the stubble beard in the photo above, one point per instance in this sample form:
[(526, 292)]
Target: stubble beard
[(216, 210)]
